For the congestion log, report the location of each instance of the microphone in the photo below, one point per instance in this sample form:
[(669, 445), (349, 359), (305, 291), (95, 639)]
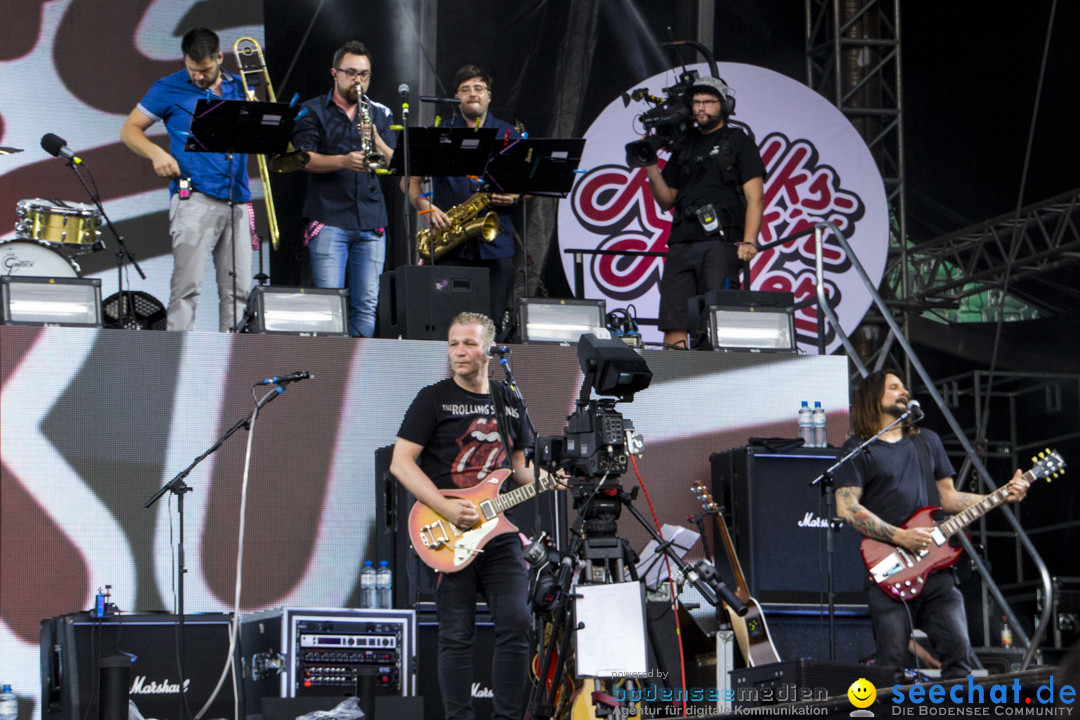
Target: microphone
[(436, 99), (286, 379), (914, 410), (500, 350), (57, 147), (403, 91)]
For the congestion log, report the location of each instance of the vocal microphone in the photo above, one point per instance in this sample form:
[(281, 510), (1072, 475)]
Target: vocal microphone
[(434, 99), (403, 91), (914, 410), (57, 147), (500, 350), (286, 379)]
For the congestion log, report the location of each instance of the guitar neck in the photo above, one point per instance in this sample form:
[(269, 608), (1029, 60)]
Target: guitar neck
[(995, 499), (504, 501)]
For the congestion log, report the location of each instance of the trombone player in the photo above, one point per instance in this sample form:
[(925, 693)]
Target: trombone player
[(472, 88), (200, 185), (344, 131)]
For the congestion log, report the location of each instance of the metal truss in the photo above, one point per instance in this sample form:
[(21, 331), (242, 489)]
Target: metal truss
[(1044, 236)]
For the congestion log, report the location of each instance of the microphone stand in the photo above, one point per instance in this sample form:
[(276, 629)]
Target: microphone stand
[(405, 212), (124, 311), (827, 482), (178, 487)]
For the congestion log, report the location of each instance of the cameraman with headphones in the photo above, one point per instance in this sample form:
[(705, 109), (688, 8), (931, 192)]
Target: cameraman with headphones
[(714, 187)]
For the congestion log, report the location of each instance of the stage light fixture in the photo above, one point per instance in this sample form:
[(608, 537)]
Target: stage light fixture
[(297, 311), (752, 329), (546, 320), (69, 302)]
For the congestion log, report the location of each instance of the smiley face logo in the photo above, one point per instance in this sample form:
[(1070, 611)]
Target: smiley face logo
[(862, 693)]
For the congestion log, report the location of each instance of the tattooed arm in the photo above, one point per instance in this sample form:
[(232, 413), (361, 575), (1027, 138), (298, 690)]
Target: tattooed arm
[(857, 516), (953, 501)]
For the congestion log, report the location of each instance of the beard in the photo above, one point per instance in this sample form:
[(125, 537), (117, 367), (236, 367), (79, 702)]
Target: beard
[(206, 83), (707, 122), (352, 93)]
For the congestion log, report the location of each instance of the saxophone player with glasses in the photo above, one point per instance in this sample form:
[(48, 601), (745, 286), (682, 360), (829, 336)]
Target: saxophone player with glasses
[(454, 197), (348, 137)]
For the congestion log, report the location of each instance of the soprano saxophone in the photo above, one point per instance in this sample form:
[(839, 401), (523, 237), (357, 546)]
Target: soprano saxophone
[(374, 159)]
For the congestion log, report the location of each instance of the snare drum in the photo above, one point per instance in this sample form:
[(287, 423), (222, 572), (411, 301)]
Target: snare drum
[(50, 222), (30, 257)]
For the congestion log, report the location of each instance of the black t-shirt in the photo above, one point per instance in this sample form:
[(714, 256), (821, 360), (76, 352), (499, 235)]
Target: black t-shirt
[(696, 172), (460, 434), (891, 476)]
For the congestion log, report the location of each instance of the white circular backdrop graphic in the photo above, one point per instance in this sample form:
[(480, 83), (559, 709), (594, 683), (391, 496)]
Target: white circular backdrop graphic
[(817, 168)]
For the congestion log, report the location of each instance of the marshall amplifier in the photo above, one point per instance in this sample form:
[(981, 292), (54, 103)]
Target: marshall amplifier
[(72, 647), (779, 525), (292, 652)]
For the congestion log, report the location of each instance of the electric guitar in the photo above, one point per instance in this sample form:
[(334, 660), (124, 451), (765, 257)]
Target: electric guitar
[(445, 547), (751, 632), (901, 573)]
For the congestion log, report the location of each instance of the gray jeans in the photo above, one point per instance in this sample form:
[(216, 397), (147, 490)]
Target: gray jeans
[(200, 226)]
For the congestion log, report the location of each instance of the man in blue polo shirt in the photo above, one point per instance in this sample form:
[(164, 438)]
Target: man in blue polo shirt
[(472, 86), (201, 184), (346, 213)]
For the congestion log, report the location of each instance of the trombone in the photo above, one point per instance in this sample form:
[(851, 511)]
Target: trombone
[(253, 74)]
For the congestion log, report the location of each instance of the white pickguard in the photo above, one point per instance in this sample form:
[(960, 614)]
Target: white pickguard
[(469, 543)]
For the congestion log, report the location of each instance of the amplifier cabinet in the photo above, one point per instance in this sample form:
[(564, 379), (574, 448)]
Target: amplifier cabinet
[(800, 680), (304, 652), (72, 647), (779, 525)]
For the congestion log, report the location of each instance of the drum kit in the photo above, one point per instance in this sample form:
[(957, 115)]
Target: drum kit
[(49, 235)]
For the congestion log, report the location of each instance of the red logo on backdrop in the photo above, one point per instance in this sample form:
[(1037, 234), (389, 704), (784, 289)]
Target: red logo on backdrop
[(615, 202), (817, 169)]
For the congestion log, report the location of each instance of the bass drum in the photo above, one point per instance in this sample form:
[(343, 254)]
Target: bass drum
[(36, 259)]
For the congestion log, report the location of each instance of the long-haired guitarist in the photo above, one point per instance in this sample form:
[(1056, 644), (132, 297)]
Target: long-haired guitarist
[(450, 439), (901, 472)]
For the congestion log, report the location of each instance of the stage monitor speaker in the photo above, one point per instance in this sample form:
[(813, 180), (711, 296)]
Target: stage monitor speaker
[(72, 647), (414, 582), (418, 302), (779, 525)]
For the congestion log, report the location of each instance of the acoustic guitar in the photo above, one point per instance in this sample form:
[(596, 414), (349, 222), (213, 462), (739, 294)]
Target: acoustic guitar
[(751, 631), (902, 573)]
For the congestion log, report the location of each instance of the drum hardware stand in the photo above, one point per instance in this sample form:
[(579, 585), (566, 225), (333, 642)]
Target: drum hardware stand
[(125, 314), (178, 487)]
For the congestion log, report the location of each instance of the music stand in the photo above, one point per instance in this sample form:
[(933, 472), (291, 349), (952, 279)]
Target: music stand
[(240, 126), (534, 166), (445, 152)]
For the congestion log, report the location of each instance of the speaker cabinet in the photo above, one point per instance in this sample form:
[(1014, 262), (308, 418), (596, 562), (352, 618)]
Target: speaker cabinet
[(779, 522), (414, 582), (72, 647), (417, 302)]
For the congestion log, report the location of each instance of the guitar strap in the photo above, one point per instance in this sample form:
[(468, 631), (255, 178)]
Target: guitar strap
[(498, 401), (927, 468)]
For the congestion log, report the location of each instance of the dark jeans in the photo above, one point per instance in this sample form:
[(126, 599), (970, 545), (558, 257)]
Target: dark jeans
[(498, 574), (938, 611)]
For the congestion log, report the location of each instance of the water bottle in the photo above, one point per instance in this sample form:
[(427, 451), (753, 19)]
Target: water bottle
[(806, 430), (1006, 633), (384, 583), (9, 704), (818, 422), (368, 597)]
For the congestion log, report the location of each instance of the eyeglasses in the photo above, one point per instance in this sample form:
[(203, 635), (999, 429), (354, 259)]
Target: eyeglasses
[(353, 74), (705, 102), (478, 89)]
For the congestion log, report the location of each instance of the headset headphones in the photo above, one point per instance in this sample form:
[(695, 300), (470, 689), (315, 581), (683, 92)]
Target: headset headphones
[(718, 85)]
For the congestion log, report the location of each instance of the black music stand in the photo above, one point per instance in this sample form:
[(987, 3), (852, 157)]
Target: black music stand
[(445, 152), (251, 127), (533, 166)]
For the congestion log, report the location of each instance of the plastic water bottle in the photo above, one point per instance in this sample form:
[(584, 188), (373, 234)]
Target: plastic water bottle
[(818, 422), (1006, 633), (368, 597), (384, 584), (9, 704), (806, 429)]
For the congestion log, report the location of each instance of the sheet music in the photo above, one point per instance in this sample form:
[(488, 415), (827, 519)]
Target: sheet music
[(612, 641)]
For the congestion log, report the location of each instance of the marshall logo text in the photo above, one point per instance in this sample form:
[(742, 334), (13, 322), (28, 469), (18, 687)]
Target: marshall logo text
[(139, 686)]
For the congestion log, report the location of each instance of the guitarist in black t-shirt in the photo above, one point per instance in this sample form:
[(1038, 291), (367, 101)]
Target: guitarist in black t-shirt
[(880, 489), (450, 439)]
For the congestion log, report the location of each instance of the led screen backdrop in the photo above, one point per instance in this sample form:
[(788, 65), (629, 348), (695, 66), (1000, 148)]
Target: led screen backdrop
[(92, 423)]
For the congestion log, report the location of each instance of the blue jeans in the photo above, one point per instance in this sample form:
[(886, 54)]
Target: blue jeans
[(359, 254), (938, 611), (499, 575)]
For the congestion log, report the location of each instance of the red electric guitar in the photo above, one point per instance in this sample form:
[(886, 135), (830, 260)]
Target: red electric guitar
[(751, 632), (444, 546), (901, 573)]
